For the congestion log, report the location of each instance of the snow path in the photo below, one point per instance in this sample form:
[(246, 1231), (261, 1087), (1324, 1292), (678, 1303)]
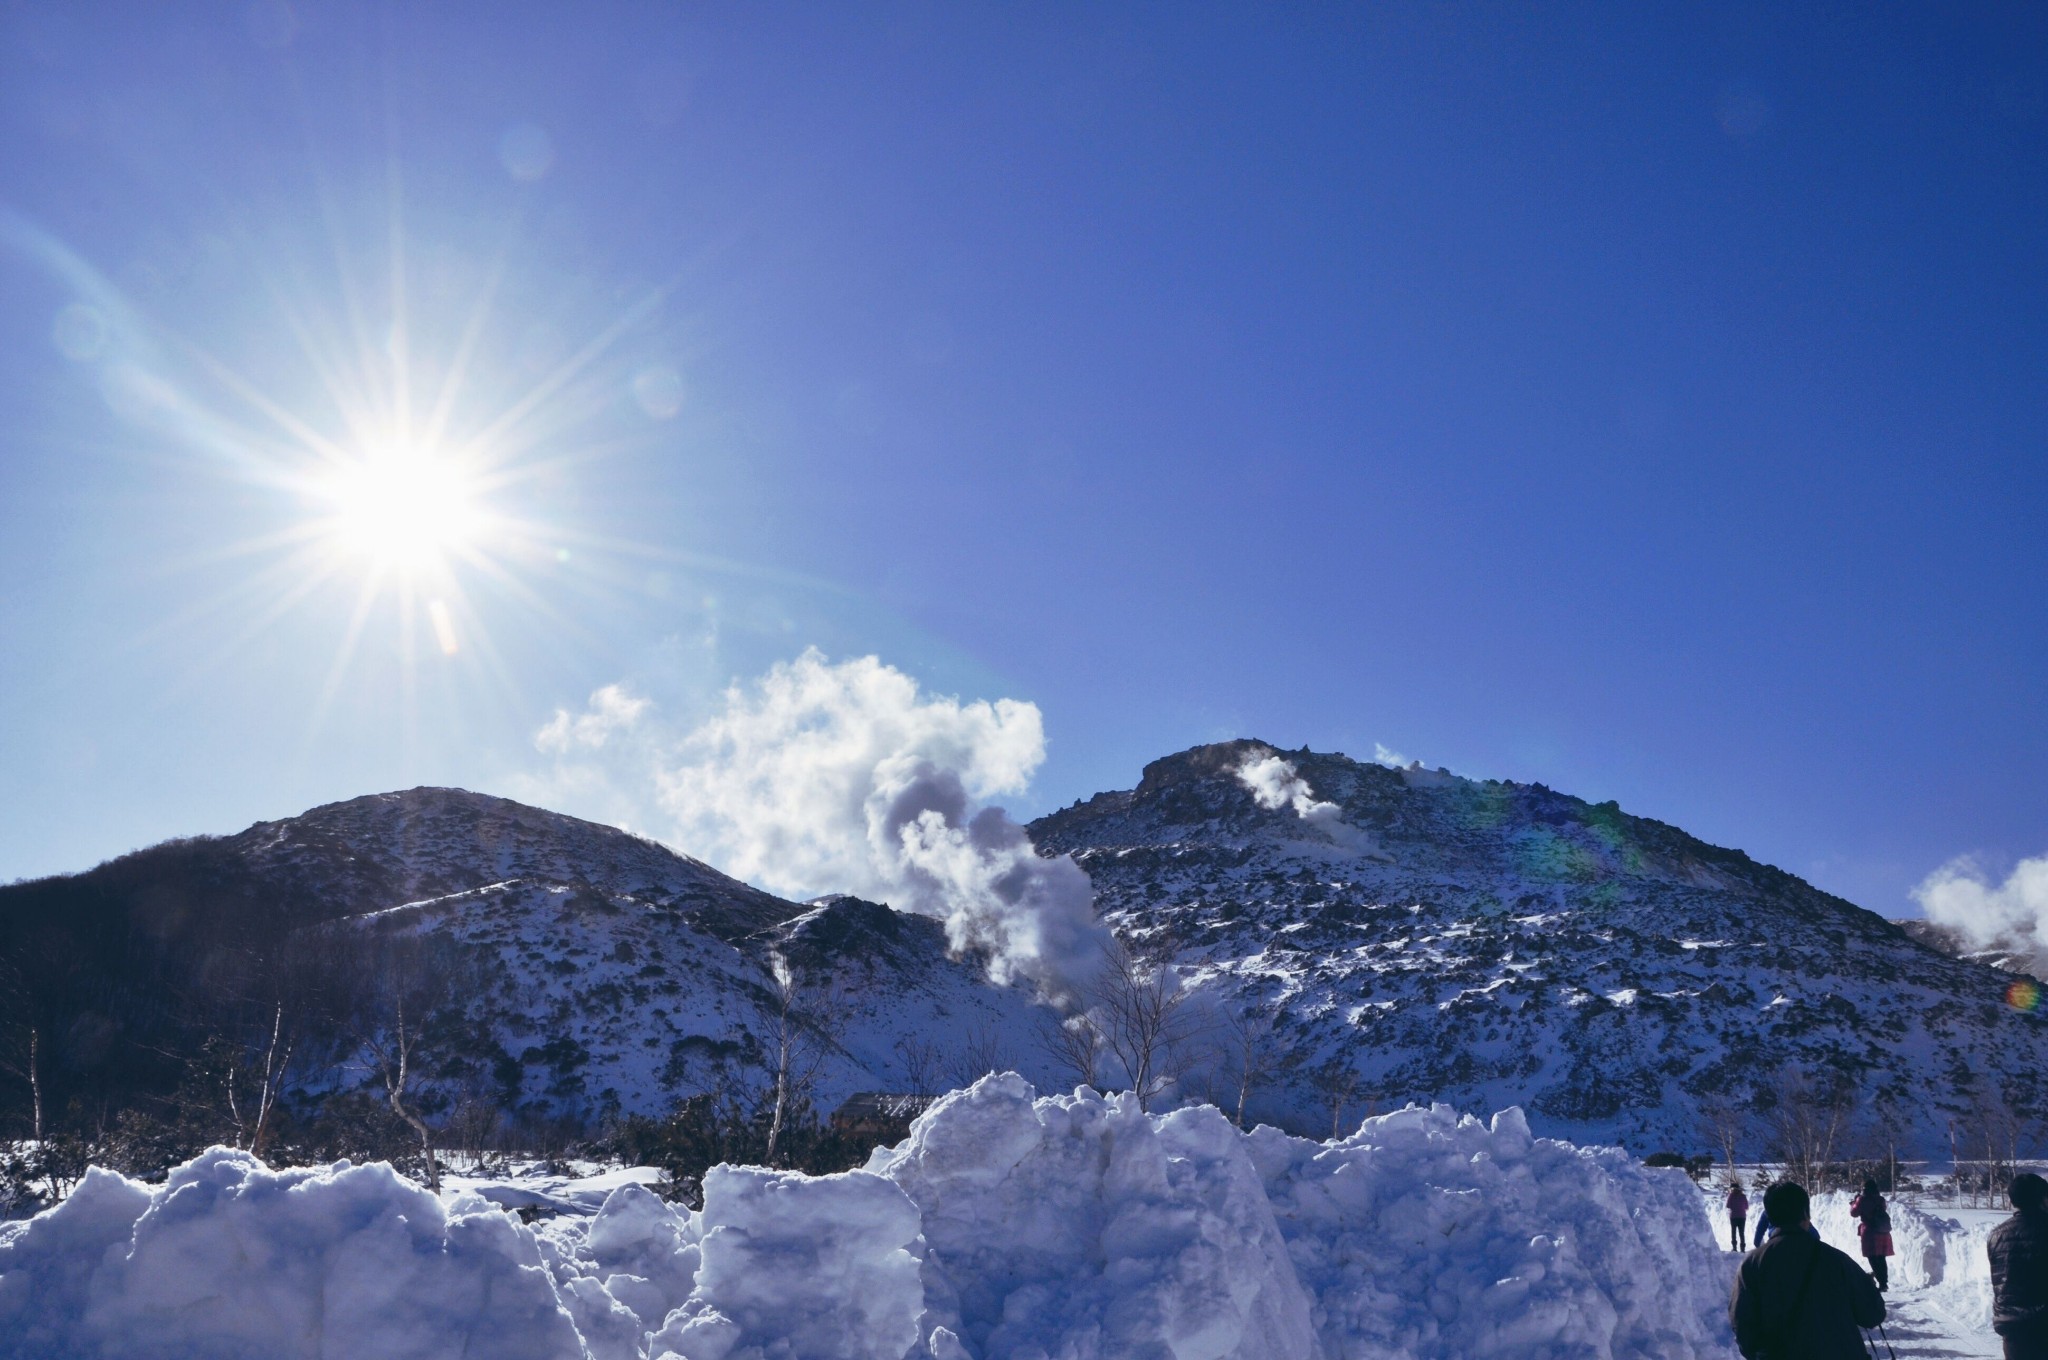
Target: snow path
[(1939, 1306), (1917, 1329)]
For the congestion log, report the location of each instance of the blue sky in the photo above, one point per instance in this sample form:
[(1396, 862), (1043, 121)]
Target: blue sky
[(1646, 403)]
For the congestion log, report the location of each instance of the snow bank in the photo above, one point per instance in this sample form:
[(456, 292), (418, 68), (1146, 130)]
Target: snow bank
[(1943, 1254), (1006, 1227), (1078, 1226), (230, 1259), (1962, 1294), (1428, 1234), (814, 1266)]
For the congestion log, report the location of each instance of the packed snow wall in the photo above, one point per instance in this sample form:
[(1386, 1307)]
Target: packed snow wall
[(1006, 1227), (1944, 1255)]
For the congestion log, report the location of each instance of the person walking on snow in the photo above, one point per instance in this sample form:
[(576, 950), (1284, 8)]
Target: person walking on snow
[(1738, 1214), (1873, 1232), (2019, 1271), (1796, 1297)]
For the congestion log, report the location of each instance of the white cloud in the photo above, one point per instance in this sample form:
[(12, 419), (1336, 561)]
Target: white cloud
[(844, 777), (1392, 759), (1962, 895), (612, 709)]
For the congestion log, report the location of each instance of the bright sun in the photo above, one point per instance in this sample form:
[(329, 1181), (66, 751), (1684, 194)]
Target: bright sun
[(405, 508)]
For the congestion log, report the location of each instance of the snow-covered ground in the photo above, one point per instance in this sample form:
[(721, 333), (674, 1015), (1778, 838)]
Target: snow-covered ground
[(1008, 1226), (1939, 1304)]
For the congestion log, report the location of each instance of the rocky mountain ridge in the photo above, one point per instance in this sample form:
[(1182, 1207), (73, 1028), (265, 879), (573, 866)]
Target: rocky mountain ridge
[(1488, 943)]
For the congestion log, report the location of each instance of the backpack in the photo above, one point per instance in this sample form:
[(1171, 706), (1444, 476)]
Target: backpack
[(1779, 1340)]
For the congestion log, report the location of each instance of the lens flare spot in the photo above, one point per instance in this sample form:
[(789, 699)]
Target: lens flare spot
[(444, 626), (2023, 995)]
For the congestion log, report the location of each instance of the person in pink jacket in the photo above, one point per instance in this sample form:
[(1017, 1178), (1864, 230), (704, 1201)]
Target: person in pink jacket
[(1738, 1216), (1874, 1231)]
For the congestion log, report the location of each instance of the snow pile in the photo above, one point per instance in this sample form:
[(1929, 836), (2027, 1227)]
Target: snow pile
[(1006, 1227), (637, 1254), (230, 1259), (1427, 1234), (801, 1266), (1962, 1294), (1079, 1226)]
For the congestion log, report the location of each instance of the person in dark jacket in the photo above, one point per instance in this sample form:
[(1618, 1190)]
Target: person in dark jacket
[(2019, 1272), (1738, 1211), (1796, 1297), (1873, 1232)]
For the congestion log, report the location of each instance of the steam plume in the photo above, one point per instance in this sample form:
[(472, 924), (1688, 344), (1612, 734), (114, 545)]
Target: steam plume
[(1276, 784), (2014, 912), (844, 777)]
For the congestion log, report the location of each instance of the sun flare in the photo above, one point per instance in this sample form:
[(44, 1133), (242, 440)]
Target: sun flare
[(404, 508)]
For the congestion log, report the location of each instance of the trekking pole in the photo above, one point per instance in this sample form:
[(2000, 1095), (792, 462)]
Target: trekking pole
[(1887, 1342)]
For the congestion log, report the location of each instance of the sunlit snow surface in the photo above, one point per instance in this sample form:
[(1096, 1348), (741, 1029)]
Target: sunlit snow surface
[(1007, 1227)]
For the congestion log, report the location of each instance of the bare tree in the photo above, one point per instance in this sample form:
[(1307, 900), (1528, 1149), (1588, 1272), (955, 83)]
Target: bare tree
[(1996, 1131), (267, 1072), (1878, 1136), (1074, 1042), (21, 1041), (1139, 1009), (1808, 1122), (1722, 1122), (409, 981), (21, 1053), (802, 1023), (1252, 1055), (391, 1049), (475, 1126), (1338, 1083), (923, 1060), (980, 1053)]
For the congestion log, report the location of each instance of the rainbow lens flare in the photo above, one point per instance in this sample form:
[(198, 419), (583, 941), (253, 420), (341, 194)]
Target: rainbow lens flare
[(2024, 995)]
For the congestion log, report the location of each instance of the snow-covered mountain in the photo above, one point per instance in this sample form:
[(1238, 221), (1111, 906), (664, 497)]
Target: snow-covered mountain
[(587, 968), (1491, 943), (1406, 934)]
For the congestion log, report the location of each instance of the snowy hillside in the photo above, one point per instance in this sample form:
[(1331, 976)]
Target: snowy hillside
[(582, 1000), (1489, 943)]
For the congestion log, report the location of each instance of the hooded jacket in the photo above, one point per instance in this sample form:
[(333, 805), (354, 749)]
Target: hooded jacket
[(1840, 1299), (2019, 1275)]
